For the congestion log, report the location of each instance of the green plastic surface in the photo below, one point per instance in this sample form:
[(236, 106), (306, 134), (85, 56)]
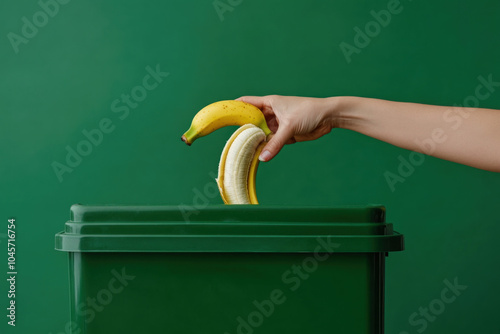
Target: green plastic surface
[(191, 293), (229, 269), (226, 229)]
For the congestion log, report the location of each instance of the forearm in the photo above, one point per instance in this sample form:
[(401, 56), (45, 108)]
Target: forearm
[(469, 136)]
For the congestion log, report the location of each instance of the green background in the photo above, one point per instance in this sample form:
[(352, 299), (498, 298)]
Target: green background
[(65, 78)]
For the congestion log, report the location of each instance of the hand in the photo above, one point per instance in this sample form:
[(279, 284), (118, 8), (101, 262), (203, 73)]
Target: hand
[(292, 119)]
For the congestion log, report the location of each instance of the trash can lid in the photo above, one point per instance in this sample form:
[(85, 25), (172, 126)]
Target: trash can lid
[(228, 228)]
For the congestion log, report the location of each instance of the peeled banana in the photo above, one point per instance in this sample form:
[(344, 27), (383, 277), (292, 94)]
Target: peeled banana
[(238, 165), (240, 156), (224, 113)]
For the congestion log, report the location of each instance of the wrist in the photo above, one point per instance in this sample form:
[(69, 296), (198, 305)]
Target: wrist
[(342, 111)]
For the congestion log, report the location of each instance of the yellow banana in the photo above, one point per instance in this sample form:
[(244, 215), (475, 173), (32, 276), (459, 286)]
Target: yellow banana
[(224, 113), (238, 165)]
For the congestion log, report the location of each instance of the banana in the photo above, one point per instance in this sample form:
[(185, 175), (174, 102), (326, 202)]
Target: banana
[(222, 162), (224, 113), (240, 156), (238, 165), (252, 194)]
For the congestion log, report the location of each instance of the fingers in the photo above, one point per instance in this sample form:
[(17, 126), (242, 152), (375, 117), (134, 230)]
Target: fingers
[(282, 136), (258, 101), (272, 123)]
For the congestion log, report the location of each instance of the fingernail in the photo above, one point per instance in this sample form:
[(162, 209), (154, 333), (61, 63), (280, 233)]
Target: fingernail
[(264, 156)]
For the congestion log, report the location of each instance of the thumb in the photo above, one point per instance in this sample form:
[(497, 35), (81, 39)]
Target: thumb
[(276, 143)]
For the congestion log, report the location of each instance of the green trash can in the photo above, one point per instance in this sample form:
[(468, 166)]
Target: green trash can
[(227, 269)]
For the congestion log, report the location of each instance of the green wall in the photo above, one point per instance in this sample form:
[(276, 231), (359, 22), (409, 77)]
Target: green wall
[(66, 76)]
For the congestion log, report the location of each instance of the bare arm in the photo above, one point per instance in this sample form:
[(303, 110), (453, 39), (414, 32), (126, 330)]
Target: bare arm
[(469, 136)]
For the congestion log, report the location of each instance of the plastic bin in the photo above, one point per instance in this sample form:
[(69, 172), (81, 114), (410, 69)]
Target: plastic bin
[(227, 269)]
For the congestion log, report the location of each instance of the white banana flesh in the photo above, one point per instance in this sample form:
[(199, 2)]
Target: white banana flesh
[(234, 167)]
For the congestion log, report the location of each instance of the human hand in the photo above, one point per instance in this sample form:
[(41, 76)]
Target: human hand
[(292, 119)]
